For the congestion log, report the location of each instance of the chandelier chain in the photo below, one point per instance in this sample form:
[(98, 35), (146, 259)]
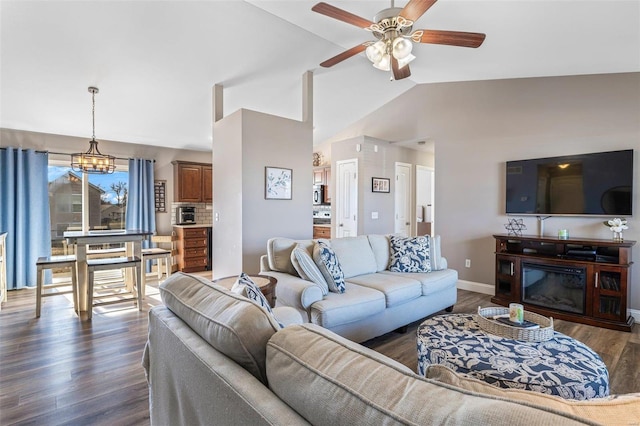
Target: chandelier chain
[(93, 113)]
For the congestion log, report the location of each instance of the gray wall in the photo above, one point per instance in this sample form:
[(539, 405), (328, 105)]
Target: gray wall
[(375, 164), (477, 126), (244, 144), (69, 144)]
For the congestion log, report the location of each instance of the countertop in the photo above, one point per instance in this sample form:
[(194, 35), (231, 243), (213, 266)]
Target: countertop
[(193, 226), (322, 225)]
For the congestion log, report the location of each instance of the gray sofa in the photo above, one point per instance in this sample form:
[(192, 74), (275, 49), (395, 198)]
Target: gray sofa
[(376, 300), (213, 357)]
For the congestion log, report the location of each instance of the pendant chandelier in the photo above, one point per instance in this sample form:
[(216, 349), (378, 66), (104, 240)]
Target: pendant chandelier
[(93, 161)]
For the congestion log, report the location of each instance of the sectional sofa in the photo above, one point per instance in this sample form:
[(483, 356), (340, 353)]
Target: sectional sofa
[(213, 357), (376, 300)]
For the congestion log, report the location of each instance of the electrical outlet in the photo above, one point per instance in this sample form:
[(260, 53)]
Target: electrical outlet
[(467, 263)]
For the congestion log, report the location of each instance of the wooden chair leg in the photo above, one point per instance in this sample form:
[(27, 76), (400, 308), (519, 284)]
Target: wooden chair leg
[(159, 260), (74, 287), (39, 280), (139, 285), (90, 294), (167, 265)]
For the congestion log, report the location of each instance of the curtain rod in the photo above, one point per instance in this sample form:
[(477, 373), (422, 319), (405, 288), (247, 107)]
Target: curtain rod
[(64, 153)]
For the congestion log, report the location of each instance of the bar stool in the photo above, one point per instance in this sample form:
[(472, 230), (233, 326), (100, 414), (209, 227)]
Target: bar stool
[(51, 262), (105, 264), (161, 255)]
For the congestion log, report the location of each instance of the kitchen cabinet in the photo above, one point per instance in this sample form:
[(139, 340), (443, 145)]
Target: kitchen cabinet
[(321, 232), (192, 182), (193, 248), (322, 176), (582, 280)]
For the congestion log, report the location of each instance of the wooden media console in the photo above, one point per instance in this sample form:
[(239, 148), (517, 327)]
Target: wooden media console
[(575, 279)]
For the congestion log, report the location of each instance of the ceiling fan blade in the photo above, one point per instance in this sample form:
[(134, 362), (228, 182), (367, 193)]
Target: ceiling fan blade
[(399, 73), (416, 8), (344, 55), (452, 38), (341, 15)]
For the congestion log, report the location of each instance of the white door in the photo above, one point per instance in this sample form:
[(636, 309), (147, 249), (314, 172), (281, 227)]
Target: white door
[(424, 196), (403, 199), (346, 220)]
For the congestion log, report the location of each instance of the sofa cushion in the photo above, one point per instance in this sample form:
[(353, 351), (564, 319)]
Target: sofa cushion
[(230, 323), (380, 248), (329, 382), (354, 304), (307, 269), (409, 254), (432, 282), (279, 253), (355, 255), (397, 289), (329, 266), (609, 410)]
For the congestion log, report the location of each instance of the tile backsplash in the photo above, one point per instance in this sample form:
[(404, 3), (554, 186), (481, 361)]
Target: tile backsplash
[(204, 212)]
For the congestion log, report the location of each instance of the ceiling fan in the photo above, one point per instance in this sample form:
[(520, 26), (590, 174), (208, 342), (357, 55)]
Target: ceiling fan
[(393, 29)]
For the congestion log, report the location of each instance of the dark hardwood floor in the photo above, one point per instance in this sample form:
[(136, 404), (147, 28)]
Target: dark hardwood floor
[(59, 369)]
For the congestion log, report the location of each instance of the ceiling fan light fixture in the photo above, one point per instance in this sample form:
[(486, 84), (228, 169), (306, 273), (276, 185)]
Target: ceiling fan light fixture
[(401, 48), (384, 63), (376, 51), (405, 61)]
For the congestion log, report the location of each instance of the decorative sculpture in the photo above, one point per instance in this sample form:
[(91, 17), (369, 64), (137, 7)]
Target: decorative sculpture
[(515, 227)]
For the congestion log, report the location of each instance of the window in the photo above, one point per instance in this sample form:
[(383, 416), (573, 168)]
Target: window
[(105, 206)]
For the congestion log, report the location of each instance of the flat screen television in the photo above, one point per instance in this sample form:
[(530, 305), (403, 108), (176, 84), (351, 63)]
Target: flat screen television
[(597, 184)]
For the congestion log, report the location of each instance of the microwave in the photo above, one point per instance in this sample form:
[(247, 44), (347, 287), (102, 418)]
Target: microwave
[(318, 194), (186, 215)]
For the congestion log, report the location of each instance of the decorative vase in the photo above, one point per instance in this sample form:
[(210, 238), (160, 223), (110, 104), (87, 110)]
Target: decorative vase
[(617, 236)]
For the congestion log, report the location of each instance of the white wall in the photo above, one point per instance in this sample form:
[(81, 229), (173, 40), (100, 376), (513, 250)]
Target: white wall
[(163, 169), (244, 144)]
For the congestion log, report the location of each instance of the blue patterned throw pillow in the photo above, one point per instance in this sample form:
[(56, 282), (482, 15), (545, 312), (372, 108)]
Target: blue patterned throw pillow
[(247, 288), (409, 254), (327, 262)]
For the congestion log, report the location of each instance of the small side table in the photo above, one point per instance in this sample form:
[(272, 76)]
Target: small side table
[(266, 283)]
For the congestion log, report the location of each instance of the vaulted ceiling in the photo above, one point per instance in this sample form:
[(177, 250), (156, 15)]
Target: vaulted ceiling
[(155, 62)]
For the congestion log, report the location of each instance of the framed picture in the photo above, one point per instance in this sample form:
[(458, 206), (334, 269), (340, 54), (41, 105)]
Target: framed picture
[(380, 184), (159, 189), (277, 183)]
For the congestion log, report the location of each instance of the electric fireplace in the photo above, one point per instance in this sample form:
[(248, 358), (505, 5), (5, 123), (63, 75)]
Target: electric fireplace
[(562, 288)]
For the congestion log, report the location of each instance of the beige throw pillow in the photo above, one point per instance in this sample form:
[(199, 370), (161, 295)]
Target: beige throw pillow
[(307, 269)]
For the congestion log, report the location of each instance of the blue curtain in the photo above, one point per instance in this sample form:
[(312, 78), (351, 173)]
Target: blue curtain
[(24, 213), (140, 199)]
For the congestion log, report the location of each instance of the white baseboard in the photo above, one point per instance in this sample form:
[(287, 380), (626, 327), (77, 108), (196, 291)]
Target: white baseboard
[(490, 290), (476, 287)]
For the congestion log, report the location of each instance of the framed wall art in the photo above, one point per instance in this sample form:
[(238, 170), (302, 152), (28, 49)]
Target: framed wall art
[(277, 183), (159, 192), (380, 184)]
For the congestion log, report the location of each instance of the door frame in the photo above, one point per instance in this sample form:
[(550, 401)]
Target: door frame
[(410, 199), (433, 195), (338, 195)]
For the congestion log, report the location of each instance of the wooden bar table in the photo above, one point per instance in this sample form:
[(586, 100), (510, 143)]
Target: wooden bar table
[(133, 244)]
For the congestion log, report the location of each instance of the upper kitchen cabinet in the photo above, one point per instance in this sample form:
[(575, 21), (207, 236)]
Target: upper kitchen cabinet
[(322, 176), (192, 182)]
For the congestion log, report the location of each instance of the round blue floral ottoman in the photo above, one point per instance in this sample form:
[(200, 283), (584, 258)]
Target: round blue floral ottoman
[(561, 366)]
